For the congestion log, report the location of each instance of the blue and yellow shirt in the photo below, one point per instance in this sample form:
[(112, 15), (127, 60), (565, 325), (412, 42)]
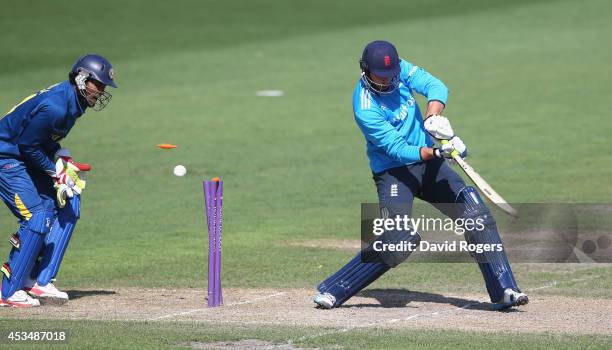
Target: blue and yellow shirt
[(31, 131)]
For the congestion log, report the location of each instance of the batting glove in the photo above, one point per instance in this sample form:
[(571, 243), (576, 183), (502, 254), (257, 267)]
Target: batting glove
[(450, 148), (439, 127)]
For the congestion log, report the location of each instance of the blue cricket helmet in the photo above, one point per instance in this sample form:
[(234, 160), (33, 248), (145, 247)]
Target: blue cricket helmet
[(381, 59), (95, 67)]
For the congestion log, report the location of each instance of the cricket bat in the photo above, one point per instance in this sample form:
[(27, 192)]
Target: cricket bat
[(484, 186)]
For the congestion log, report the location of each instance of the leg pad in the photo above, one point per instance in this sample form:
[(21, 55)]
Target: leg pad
[(494, 265)]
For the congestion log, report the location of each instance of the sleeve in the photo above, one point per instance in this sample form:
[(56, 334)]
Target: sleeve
[(381, 133), (426, 84), (50, 148), (32, 143)]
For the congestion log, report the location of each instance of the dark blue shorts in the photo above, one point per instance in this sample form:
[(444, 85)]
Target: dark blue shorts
[(433, 181), (25, 191)]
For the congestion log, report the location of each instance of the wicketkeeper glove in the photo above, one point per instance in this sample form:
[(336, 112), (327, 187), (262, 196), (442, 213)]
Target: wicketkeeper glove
[(68, 179), (63, 153)]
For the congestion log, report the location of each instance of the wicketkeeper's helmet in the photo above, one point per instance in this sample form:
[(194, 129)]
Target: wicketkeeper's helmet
[(93, 67)]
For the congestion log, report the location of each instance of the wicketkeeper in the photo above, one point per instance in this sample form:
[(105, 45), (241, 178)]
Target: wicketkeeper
[(406, 164), (40, 183)]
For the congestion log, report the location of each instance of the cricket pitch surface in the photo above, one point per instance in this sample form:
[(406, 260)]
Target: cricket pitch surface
[(387, 308)]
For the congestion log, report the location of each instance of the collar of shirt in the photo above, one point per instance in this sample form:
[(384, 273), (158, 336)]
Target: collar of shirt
[(74, 105)]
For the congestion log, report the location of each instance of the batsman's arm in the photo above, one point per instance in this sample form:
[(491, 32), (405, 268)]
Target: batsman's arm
[(378, 131), (434, 107), (427, 153), (427, 85), (437, 95)]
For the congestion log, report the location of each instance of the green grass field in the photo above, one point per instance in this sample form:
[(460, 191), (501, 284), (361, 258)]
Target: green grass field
[(529, 85), (128, 335)]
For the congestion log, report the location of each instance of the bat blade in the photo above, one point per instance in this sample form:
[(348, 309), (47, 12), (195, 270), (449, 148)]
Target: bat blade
[(485, 188)]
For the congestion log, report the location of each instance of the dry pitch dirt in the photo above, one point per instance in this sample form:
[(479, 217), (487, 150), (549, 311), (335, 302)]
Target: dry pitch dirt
[(293, 307)]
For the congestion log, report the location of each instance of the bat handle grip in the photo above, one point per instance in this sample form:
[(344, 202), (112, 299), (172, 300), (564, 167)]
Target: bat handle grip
[(454, 153)]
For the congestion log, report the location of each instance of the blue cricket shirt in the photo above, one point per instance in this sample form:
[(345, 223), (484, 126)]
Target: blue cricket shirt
[(392, 123), (31, 130)]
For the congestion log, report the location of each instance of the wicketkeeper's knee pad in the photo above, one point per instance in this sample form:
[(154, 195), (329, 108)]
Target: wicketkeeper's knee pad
[(493, 264), (41, 221), (26, 247)]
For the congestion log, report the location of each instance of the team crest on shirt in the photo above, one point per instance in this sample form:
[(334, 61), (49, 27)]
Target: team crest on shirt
[(56, 137)]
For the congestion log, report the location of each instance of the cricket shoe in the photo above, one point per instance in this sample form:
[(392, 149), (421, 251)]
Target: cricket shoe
[(48, 294), (19, 299), (325, 300), (511, 298)]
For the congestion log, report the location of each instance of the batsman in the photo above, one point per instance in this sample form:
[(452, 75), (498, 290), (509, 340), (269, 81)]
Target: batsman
[(406, 163), (41, 184)]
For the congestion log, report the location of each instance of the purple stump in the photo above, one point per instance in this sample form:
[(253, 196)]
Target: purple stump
[(213, 195), (219, 222)]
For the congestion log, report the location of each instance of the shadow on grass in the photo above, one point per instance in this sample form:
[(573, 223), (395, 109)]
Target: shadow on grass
[(388, 298), (78, 294)]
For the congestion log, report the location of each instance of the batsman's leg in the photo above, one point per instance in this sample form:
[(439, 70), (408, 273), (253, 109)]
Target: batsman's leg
[(395, 191), (366, 267), (448, 187), (494, 265), (348, 281)]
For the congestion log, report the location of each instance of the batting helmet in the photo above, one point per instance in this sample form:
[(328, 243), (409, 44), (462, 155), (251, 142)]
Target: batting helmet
[(381, 59)]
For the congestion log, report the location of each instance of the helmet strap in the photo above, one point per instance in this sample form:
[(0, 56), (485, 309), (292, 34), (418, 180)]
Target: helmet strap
[(382, 89)]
